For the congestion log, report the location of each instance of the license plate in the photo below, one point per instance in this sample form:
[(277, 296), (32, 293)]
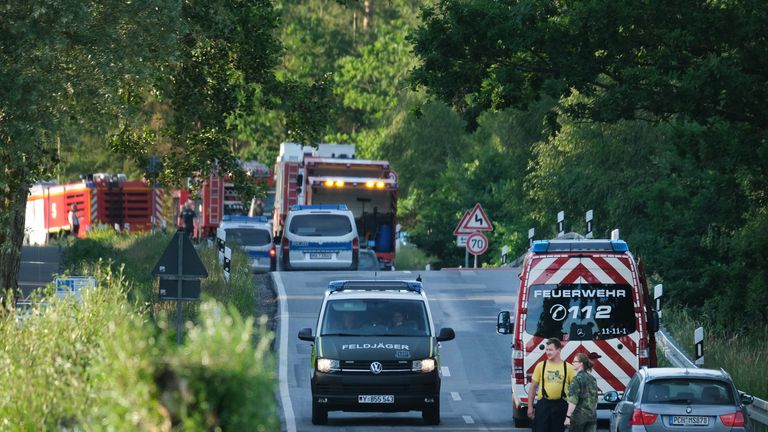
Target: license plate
[(376, 399), (690, 420), (320, 255)]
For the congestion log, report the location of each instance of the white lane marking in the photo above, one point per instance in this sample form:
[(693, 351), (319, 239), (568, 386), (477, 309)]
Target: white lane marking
[(37, 262), (456, 396), (445, 371), (468, 419), (285, 397)]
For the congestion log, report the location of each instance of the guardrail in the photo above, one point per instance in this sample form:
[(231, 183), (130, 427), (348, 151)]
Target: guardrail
[(758, 410)]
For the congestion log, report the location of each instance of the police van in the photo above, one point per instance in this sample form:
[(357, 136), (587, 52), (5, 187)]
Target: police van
[(254, 235), (375, 350), (320, 237), (593, 296)]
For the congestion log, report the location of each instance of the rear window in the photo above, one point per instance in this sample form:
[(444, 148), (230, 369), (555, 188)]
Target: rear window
[(688, 391), (580, 311), (320, 225), (248, 236)]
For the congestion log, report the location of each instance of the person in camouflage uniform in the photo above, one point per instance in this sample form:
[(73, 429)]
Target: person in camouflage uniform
[(582, 397)]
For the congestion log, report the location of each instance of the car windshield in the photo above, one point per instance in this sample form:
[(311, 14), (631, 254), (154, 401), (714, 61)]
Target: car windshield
[(688, 391), (248, 236), (580, 311), (381, 317), (320, 225)]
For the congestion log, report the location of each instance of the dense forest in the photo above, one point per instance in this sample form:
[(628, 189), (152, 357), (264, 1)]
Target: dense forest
[(649, 113)]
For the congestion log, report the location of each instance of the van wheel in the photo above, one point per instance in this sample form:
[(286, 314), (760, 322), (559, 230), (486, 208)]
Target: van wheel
[(431, 415), (319, 414)]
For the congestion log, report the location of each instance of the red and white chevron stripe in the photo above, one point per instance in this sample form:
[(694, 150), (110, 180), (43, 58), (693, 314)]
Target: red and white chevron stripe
[(619, 356)]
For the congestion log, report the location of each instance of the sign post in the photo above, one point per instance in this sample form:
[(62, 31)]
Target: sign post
[(698, 340), (658, 291), (180, 270), (560, 223), (588, 217)]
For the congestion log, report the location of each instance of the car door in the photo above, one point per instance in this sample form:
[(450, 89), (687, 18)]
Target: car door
[(622, 412)]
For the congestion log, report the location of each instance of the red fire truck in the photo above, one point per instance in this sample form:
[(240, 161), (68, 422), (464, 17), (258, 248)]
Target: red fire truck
[(101, 200), (218, 198), (330, 174)]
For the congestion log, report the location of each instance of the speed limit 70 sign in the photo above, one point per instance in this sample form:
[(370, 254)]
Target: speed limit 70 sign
[(477, 243)]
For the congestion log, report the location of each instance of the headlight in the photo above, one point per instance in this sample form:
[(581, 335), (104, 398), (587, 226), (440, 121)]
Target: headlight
[(327, 365), (426, 365)]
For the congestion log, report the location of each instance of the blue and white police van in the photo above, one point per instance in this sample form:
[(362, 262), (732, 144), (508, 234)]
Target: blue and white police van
[(320, 237), (254, 235)]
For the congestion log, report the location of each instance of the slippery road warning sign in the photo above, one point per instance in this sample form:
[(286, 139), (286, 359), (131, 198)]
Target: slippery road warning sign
[(476, 220)]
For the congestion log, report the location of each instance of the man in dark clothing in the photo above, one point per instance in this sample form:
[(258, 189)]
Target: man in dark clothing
[(188, 216)]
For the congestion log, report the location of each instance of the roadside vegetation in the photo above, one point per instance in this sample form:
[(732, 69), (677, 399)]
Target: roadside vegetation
[(110, 361), (410, 257), (737, 351)]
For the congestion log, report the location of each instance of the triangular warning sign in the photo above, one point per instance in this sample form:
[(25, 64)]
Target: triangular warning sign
[(168, 264), (476, 221), (458, 230)]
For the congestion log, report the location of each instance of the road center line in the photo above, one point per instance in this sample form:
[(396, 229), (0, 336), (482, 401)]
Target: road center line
[(285, 397), (456, 396)]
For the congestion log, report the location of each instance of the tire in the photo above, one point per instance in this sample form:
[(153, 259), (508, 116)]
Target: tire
[(431, 415), (319, 415)]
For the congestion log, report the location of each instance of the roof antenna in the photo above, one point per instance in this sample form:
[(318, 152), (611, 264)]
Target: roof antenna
[(418, 278)]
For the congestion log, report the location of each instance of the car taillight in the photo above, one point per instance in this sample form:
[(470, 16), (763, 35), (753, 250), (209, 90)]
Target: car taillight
[(640, 417), (355, 245), (733, 420), (272, 252)]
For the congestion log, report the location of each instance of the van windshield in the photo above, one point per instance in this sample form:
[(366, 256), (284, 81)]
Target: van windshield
[(320, 225), (248, 236), (580, 311), (379, 317)]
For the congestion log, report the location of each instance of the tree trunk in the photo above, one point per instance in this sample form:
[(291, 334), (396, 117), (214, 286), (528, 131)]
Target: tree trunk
[(13, 203), (368, 14)]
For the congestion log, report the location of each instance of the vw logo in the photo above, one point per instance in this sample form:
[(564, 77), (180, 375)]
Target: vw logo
[(376, 368)]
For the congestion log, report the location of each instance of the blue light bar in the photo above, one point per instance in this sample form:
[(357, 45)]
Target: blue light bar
[(374, 285), (320, 207), (238, 218), (554, 246)]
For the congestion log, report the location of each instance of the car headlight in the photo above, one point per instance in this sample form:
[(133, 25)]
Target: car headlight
[(426, 365), (327, 365)]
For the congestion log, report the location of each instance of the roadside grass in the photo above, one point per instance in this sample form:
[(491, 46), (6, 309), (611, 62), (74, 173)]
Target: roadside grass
[(410, 257), (739, 353), (110, 362)]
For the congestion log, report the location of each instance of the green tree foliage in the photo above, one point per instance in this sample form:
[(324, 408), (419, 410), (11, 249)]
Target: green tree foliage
[(66, 63), (659, 125)]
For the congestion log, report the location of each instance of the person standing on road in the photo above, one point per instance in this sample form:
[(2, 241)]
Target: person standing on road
[(548, 383), (74, 221), (582, 397), (188, 216)]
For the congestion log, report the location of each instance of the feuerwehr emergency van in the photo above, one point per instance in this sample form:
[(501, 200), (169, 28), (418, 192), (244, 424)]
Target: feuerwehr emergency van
[(375, 350), (592, 295)]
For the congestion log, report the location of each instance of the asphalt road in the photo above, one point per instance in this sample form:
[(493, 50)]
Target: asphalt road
[(38, 265), (475, 366)]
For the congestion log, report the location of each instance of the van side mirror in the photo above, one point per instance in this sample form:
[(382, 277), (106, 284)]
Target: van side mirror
[(504, 323), (655, 322), (611, 396), (446, 334), (305, 334)]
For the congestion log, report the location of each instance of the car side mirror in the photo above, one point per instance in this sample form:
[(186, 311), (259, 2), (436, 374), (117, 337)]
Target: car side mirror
[(504, 323), (655, 321), (746, 399), (611, 396), (305, 334), (446, 334)]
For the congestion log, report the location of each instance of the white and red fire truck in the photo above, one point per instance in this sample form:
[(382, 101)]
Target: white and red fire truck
[(101, 200), (218, 198), (330, 174), (593, 296)]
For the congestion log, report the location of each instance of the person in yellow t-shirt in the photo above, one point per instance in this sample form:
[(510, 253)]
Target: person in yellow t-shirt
[(549, 382)]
